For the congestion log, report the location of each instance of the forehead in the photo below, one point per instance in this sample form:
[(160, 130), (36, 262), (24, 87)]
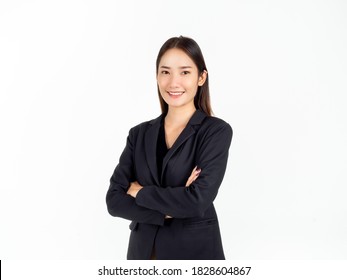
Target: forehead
[(176, 58)]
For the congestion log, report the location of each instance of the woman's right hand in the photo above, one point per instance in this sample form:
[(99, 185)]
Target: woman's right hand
[(195, 174)]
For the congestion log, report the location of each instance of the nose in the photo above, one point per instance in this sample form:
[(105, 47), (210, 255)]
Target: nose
[(174, 81)]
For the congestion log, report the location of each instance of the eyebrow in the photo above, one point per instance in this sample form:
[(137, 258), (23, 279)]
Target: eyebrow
[(181, 67)]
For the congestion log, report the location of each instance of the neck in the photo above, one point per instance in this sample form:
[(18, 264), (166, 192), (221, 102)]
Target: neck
[(179, 116)]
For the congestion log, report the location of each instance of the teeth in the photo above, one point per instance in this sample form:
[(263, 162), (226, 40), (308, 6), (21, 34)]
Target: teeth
[(175, 93)]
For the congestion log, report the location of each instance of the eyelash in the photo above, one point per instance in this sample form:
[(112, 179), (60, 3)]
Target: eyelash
[(167, 72)]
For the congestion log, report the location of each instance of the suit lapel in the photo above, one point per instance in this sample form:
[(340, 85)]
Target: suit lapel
[(187, 132), (151, 138)]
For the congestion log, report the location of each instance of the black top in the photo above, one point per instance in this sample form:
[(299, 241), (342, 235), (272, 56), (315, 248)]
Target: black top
[(161, 148)]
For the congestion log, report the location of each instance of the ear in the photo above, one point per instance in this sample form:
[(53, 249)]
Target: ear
[(202, 78)]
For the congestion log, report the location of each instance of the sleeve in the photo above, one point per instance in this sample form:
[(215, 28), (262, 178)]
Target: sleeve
[(119, 203), (192, 201)]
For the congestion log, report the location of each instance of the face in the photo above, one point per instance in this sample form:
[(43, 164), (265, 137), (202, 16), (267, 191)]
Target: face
[(178, 79)]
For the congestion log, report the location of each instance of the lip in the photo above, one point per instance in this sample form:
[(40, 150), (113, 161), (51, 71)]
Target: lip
[(175, 93)]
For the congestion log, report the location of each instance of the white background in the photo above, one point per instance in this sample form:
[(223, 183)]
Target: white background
[(75, 76)]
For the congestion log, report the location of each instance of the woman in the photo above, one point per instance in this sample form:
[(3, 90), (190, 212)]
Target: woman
[(172, 166)]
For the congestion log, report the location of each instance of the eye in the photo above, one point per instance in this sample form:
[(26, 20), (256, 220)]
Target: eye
[(165, 72), (185, 72)]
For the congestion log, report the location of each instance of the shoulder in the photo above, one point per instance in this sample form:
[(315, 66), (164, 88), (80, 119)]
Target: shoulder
[(214, 134), (212, 125), (215, 121), (143, 126)]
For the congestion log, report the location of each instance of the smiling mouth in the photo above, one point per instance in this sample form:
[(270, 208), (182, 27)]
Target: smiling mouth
[(175, 93)]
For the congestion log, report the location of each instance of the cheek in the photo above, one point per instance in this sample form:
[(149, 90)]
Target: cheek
[(162, 83), (162, 87), (192, 85)]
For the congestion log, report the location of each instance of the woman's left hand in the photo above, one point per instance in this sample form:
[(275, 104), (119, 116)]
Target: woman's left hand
[(195, 174), (134, 189)]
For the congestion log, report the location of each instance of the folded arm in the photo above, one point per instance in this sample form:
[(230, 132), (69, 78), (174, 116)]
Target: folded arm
[(119, 203), (184, 202)]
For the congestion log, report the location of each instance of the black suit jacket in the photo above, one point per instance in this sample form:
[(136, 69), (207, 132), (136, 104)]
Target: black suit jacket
[(193, 232)]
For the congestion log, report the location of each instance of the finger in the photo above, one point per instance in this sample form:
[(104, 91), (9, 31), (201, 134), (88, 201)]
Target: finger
[(193, 180), (194, 170), (193, 176), (189, 182)]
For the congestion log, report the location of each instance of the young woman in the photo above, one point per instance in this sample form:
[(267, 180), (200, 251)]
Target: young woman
[(171, 168)]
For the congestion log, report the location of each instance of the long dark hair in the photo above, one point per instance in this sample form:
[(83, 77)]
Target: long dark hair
[(192, 49)]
